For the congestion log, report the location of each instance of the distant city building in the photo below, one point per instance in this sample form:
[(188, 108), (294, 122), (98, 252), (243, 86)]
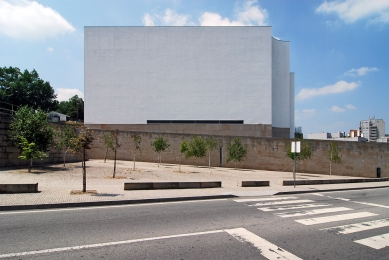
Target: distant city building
[(372, 129), (338, 136), (57, 117)]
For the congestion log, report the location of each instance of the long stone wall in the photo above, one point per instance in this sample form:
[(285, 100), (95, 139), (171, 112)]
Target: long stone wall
[(9, 153), (358, 159)]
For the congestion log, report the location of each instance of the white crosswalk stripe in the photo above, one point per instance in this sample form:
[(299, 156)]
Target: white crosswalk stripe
[(376, 242), (300, 206), (310, 212), (295, 207), (333, 218), (358, 227)]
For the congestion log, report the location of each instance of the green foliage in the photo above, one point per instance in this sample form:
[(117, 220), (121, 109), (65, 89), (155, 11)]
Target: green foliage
[(236, 151), (196, 148), (212, 145), (33, 126), (136, 139), (305, 153), (109, 141), (26, 89), (333, 153), (184, 147), (67, 136), (30, 151), (73, 108), (160, 145)]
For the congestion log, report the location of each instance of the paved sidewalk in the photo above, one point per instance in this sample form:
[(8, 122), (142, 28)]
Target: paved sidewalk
[(57, 182)]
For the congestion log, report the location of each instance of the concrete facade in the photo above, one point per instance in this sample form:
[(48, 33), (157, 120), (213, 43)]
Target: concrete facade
[(372, 129), (136, 74)]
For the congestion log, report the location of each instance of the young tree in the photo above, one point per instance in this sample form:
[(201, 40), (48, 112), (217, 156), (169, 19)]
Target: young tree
[(31, 126), (333, 154), (212, 145), (67, 135), (196, 148), (30, 151), (160, 145), (83, 141), (136, 139), (184, 147), (109, 143), (26, 89), (236, 151)]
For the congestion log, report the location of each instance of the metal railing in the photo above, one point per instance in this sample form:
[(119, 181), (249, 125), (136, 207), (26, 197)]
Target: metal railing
[(7, 108)]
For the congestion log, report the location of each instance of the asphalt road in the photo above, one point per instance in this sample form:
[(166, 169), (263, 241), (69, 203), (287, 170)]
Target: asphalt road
[(328, 225)]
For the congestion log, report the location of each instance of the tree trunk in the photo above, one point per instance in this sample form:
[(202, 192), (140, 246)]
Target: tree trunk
[(114, 165), (134, 160), (30, 166), (330, 167), (106, 152), (83, 172), (179, 164), (209, 160), (235, 165), (64, 158)]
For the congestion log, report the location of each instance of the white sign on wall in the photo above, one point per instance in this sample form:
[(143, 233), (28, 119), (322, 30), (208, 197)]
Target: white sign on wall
[(296, 147)]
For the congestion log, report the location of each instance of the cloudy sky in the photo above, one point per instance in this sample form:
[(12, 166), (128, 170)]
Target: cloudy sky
[(339, 49)]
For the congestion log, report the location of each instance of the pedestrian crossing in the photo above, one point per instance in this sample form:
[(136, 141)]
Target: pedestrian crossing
[(307, 212)]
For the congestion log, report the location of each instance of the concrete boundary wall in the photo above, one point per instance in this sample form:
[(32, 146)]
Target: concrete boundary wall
[(358, 159), (9, 153)]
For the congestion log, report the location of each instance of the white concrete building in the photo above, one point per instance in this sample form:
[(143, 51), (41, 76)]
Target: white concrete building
[(182, 75), (372, 129), (338, 136)]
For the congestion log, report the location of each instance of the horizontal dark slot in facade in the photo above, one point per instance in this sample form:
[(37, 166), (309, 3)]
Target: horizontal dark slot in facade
[(219, 122)]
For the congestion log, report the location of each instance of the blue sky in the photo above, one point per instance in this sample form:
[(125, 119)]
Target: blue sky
[(339, 49)]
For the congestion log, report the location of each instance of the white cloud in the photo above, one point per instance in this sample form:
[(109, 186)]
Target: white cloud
[(309, 112), (63, 94), (376, 11), (249, 14), (360, 72), (169, 18), (23, 19), (338, 87), (341, 109), (304, 114), (50, 49), (351, 107), (337, 109), (148, 20)]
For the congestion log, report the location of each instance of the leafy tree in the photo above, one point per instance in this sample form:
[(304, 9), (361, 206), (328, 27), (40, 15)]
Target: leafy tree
[(196, 148), (305, 153), (30, 151), (136, 139), (67, 135), (26, 89), (184, 147), (212, 145), (83, 141), (333, 154), (74, 108), (160, 145), (29, 126), (109, 143), (236, 151)]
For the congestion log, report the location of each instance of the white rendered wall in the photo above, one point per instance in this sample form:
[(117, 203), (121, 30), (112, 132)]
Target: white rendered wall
[(281, 84), (135, 74), (291, 104)]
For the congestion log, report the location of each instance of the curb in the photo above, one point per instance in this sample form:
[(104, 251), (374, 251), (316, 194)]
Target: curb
[(329, 190), (110, 203)]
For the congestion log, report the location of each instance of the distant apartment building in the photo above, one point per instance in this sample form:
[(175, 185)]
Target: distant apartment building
[(372, 129)]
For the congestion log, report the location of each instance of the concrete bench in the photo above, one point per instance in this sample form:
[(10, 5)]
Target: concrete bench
[(253, 183), (171, 185), (19, 188)]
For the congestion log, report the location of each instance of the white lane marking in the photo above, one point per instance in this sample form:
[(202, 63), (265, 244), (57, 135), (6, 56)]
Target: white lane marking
[(358, 202), (265, 199), (320, 220), (106, 207), (301, 206), (280, 202), (106, 244), (377, 242), (348, 229), (267, 249), (310, 212)]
